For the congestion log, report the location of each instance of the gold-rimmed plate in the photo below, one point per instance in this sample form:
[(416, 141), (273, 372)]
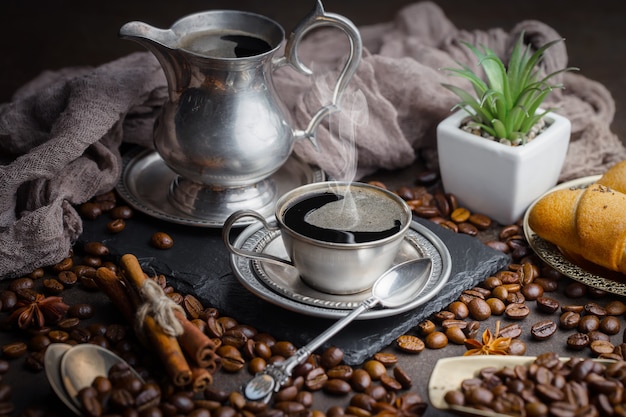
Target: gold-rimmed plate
[(570, 264)]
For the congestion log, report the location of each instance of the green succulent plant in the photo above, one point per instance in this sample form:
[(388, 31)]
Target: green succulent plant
[(505, 105)]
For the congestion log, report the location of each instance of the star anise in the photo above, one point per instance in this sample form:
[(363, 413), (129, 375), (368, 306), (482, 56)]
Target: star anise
[(492, 344), (37, 311)]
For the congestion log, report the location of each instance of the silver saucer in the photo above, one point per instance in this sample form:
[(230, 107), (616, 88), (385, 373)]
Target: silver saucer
[(146, 179), (282, 286)]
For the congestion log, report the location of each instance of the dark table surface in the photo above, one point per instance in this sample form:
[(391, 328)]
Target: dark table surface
[(201, 249)]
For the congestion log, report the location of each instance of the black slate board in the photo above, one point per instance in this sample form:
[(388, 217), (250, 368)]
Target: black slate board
[(198, 263)]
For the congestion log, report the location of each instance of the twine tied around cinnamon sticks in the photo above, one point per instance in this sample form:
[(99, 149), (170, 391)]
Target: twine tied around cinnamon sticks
[(187, 354), (159, 306)]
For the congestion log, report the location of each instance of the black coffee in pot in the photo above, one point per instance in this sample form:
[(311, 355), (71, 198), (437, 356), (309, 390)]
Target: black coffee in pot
[(358, 217), (225, 44)]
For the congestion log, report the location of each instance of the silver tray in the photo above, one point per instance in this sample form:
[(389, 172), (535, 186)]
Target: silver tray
[(571, 265), (282, 286), (146, 179)]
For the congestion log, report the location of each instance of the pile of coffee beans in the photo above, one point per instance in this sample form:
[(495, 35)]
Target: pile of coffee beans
[(547, 387), (378, 386)]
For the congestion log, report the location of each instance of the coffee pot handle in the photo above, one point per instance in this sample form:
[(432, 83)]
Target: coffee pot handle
[(318, 17), (265, 257)]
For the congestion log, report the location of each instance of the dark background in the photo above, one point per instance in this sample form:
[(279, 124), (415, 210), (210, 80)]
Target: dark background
[(46, 34)]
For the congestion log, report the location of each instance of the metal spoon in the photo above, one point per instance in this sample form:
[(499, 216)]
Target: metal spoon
[(52, 360), (71, 368), (396, 287)]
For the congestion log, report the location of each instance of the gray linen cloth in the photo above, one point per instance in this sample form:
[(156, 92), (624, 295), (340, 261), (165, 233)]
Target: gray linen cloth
[(61, 133)]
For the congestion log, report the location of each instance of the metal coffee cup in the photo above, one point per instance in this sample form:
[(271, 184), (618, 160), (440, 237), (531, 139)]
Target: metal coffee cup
[(328, 266)]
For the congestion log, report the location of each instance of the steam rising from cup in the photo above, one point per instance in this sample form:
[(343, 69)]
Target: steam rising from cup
[(342, 140)]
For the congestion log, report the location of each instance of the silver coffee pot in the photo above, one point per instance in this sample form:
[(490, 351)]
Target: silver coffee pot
[(223, 130)]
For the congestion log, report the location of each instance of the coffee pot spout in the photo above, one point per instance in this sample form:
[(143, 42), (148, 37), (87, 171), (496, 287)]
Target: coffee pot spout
[(162, 43)]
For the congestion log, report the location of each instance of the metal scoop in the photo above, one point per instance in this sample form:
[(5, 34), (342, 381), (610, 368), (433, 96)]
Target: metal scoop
[(396, 287), (69, 369)]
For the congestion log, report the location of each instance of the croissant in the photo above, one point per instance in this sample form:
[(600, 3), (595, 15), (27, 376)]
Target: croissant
[(589, 222), (615, 177)]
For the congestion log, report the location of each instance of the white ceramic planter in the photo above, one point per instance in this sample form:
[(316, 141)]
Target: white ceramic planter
[(497, 180)]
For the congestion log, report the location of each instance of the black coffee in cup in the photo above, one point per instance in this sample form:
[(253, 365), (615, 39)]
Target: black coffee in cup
[(359, 216)]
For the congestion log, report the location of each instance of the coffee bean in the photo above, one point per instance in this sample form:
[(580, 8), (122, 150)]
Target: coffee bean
[(39, 342), (161, 240), (467, 228), (569, 320), (615, 308), (90, 211), (53, 286), (459, 309), (337, 387), (547, 304), (410, 343), (481, 221), (332, 356), (455, 335), (578, 341), (193, 307), (543, 329), (340, 372), (496, 305), (63, 265), (426, 327), (460, 215), (81, 311), (443, 204), (116, 226), (374, 368), (517, 311), (315, 379), (588, 323), (427, 177), (610, 325), (283, 348), (498, 245), (479, 309), (599, 347), (387, 359), (517, 348), (436, 340), (96, 249), (360, 380), (513, 330), (548, 285), (21, 283), (121, 212), (390, 383), (426, 211), (14, 350), (232, 361), (88, 398), (532, 291), (575, 290)]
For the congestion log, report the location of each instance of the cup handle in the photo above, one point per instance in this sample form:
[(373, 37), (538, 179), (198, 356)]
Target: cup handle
[(265, 257), (318, 17)]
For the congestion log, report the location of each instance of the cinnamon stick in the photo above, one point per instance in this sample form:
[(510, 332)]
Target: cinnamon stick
[(170, 353), (201, 378), (134, 274), (110, 284), (197, 345)]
